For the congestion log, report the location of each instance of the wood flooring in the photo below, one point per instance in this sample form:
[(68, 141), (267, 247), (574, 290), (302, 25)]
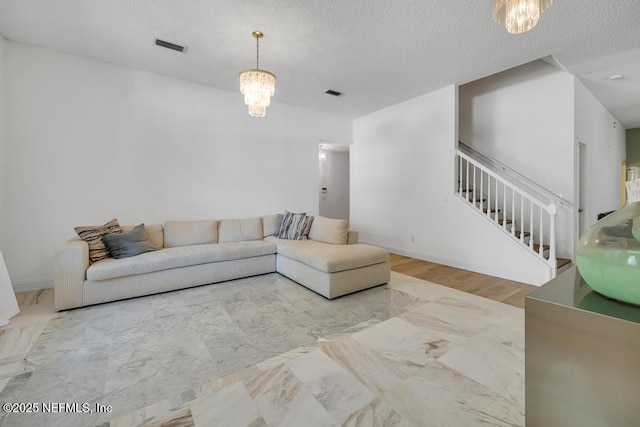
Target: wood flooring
[(495, 288)]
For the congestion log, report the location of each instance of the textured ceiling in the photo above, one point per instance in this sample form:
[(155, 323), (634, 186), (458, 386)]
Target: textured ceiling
[(376, 52)]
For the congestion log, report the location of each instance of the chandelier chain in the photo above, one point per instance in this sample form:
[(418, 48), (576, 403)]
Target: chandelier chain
[(257, 53)]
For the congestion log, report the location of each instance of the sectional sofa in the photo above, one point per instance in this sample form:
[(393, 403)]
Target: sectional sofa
[(330, 262)]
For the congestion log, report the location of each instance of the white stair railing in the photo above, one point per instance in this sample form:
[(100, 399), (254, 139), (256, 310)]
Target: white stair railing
[(511, 208)]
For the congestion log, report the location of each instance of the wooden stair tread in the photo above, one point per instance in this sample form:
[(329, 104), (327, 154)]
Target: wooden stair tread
[(493, 210), (561, 262), (536, 247), (524, 234), (501, 221)]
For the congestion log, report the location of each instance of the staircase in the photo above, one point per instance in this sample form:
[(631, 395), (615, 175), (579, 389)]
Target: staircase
[(518, 211)]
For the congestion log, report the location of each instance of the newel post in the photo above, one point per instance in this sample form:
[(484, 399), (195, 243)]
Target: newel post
[(552, 209)]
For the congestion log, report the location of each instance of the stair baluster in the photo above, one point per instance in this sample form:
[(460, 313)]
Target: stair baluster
[(505, 212), (513, 213)]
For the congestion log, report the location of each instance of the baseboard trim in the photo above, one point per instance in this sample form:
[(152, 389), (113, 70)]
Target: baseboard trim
[(517, 276), (32, 285)]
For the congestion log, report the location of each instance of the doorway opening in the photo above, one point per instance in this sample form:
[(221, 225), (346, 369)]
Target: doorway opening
[(581, 176), (333, 197)]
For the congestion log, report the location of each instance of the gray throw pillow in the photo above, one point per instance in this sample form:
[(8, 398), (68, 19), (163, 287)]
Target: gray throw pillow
[(295, 226), (278, 224), (279, 221), (131, 243)]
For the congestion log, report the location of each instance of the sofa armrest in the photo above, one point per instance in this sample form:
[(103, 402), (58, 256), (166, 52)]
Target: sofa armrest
[(71, 261), (352, 237)]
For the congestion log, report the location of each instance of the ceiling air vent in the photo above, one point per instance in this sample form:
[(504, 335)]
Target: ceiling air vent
[(170, 45), (333, 92)]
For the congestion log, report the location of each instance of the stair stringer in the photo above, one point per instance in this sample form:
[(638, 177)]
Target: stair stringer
[(493, 251)]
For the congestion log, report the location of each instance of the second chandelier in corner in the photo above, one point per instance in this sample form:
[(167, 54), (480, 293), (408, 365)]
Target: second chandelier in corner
[(257, 86), (519, 16)]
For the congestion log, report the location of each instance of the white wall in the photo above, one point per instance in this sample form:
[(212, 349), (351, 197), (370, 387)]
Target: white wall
[(606, 149), (524, 118), (402, 180), (334, 176), (87, 141), (3, 202)]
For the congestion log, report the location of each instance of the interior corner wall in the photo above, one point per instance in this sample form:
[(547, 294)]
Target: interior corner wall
[(402, 192), (88, 141), (605, 140), (633, 147), (524, 118)]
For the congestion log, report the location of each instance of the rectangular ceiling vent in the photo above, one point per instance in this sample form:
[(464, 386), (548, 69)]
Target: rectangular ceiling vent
[(171, 46), (333, 92)]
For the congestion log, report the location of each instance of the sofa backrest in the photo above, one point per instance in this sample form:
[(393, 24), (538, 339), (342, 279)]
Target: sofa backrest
[(269, 225), (329, 230), (238, 230), (185, 233)]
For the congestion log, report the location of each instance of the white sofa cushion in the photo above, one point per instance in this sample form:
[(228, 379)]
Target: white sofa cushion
[(238, 230), (177, 257), (269, 224), (331, 258), (155, 233), (186, 233), (329, 230)]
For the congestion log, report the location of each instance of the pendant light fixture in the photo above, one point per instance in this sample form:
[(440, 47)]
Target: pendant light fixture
[(519, 16), (257, 86)]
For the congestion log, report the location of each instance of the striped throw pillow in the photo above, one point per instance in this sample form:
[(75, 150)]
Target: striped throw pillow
[(93, 236), (295, 226), (279, 219)]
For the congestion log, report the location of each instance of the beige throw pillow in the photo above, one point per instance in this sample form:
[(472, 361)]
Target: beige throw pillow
[(93, 234)]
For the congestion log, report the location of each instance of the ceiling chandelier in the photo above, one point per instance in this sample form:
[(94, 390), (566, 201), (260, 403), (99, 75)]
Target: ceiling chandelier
[(519, 16), (257, 86)]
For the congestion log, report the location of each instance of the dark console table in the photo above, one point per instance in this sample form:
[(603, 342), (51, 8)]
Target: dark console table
[(582, 357)]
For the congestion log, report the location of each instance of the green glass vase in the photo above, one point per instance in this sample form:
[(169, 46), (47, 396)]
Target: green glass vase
[(608, 255)]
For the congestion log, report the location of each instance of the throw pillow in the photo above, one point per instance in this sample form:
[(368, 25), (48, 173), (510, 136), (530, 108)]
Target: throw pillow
[(131, 243), (278, 225), (93, 236), (295, 226), (279, 221)]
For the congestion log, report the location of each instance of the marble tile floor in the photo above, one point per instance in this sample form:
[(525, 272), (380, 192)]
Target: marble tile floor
[(266, 351)]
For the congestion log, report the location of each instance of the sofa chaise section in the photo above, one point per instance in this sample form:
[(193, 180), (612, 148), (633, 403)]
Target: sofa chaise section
[(332, 270)]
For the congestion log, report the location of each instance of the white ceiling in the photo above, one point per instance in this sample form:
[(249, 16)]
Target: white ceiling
[(377, 52)]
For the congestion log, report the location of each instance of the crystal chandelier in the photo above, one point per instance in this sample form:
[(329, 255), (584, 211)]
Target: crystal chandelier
[(257, 86), (519, 16)]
